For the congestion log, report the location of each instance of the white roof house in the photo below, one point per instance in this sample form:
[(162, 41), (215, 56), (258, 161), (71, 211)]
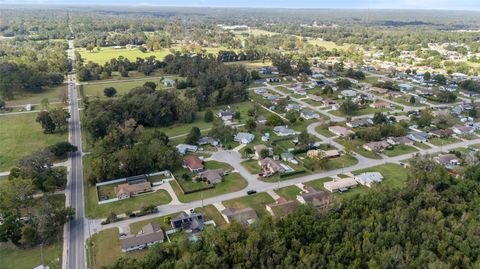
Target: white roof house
[(340, 184), (369, 178), (283, 131), (244, 138), (308, 115), (184, 148)]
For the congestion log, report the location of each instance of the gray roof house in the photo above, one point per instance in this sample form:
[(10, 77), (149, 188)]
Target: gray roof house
[(189, 223), (184, 148), (295, 107), (244, 138), (213, 176), (308, 114), (418, 136), (206, 140), (369, 178), (150, 234), (245, 216), (360, 123), (283, 131)]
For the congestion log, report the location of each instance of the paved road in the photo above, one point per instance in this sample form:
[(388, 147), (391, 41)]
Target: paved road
[(75, 251)]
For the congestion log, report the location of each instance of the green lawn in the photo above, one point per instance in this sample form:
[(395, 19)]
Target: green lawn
[(399, 150), (252, 166), (360, 112), (95, 89), (318, 183), (53, 94), (211, 213), (324, 131), (394, 174), (358, 148), (421, 145), (231, 183), (255, 201), (13, 257), (443, 141), (136, 226), (289, 193), (107, 53), (20, 135), (104, 249)]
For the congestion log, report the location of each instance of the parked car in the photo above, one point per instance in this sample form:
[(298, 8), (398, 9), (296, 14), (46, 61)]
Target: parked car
[(250, 192)]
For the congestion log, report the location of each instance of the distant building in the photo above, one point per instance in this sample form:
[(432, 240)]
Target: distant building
[(448, 160), (380, 104), (150, 234), (206, 140)]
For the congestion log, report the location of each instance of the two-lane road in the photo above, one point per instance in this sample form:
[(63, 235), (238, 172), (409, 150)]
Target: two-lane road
[(75, 252)]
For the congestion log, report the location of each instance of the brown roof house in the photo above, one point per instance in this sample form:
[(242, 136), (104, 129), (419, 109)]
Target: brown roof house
[(376, 146), (150, 234), (281, 207), (339, 130), (126, 190), (442, 133), (317, 198), (213, 176), (193, 163), (269, 165), (244, 216), (447, 160)]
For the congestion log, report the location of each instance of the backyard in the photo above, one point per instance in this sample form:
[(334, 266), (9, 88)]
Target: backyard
[(255, 201)]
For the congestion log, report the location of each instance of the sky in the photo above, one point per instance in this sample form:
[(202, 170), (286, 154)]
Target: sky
[(342, 4)]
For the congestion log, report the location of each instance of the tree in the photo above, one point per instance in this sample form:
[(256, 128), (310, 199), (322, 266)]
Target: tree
[(251, 125), (11, 229), (110, 92), (274, 120), (264, 153), (412, 100), (473, 113), (304, 139), (193, 136), (248, 152), (29, 236), (348, 107), (46, 121), (440, 79), (343, 84), (60, 118), (427, 76), (292, 116), (61, 149), (379, 118), (150, 84), (425, 118), (90, 47), (208, 116), (45, 103)]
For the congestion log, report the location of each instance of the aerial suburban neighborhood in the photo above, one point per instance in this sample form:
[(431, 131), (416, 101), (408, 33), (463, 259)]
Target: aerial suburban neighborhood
[(239, 138)]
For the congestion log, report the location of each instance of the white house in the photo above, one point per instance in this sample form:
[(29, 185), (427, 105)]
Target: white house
[(369, 178), (244, 138)]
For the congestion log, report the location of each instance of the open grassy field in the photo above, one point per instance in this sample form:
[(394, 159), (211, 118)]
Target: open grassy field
[(232, 182), (104, 249), (329, 45), (399, 150), (53, 94), (13, 257), (20, 135), (106, 54), (443, 141), (95, 89), (324, 131), (255, 201), (317, 183)]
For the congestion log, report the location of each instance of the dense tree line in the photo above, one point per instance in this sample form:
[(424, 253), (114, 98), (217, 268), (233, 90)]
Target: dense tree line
[(431, 223)]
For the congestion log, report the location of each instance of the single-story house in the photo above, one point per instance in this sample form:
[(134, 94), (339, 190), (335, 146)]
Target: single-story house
[(360, 123), (309, 115), (193, 163), (185, 148), (260, 91), (245, 216), (418, 137), (378, 90), (213, 176), (188, 222), (283, 131), (206, 140), (340, 184), (461, 130), (349, 93), (442, 133), (127, 190), (288, 157), (270, 165), (380, 104), (376, 146), (315, 98), (295, 107), (331, 153), (447, 160), (261, 119), (169, 82), (225, 115), (150, 234), (369, 178), (402, 140), (406, 87), (281, 207), (244, 138), (340, 130), (317, 198)]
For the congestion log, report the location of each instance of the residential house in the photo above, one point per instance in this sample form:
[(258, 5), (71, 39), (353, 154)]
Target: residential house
[(125, 191), (447, 160), (315, 98), (462, 130), (442, 133), (213, 176), (332, 153), (206, 140), (402, 140), (193, 163), (360, 123), (340, 131), (349, 93), (283, 131), (261, 91), (341, 184), (380, 104), (317, 198), (261, 119), (418, 136), (406, 87), (245, 216), (226, 116), (260, 148), (369, 178), (376, 146), (169, 82), (281, 207), (288, 157), (295, 107), (271, 166), (274, 79), (185, 148), (150, 234), (244, 138), (378, 90), (193, 222), (309, 115)]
